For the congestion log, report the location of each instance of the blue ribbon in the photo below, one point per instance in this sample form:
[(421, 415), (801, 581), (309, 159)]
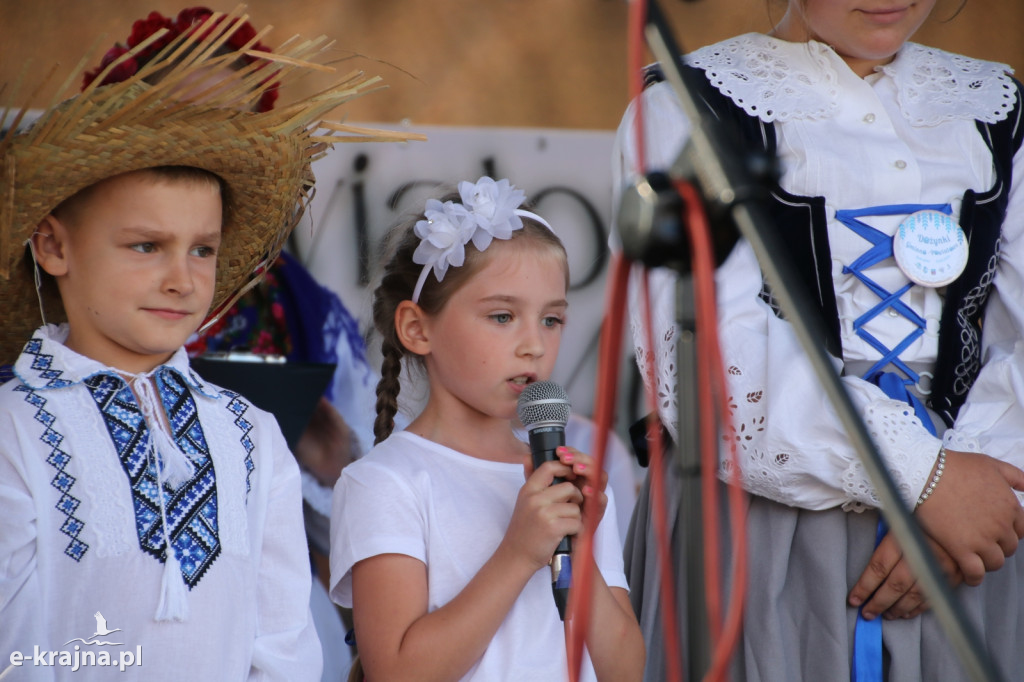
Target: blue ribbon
[(867, 634), (867, 637)]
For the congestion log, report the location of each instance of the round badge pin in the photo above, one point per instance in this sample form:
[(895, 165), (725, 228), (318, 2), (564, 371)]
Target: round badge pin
[(930, 248)]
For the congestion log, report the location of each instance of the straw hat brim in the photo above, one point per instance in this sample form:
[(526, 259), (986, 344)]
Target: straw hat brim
[(263, 158)]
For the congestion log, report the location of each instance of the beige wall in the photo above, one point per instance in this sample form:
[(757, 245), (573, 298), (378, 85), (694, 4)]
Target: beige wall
[(532, 63)]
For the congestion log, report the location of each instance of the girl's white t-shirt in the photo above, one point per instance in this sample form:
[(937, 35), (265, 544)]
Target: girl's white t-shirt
[(415, 497)]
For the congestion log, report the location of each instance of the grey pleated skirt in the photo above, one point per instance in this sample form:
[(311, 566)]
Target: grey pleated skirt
[(797, 625)]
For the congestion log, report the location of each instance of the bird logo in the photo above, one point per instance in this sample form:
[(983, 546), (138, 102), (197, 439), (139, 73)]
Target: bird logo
[(101, 631)]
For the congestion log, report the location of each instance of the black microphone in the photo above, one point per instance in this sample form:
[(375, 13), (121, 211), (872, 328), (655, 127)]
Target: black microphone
[(543, 409)]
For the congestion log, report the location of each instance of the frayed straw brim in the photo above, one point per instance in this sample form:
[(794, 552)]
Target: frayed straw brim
[(264, 158)]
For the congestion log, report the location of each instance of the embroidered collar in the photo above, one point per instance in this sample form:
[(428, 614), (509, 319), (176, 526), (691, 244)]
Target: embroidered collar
[(776, 80), (46, 363)]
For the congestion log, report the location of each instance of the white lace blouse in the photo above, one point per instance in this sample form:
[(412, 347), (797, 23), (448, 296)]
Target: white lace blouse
[(904, 135)]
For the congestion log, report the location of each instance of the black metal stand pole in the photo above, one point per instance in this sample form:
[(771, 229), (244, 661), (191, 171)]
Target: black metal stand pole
[(698, 653)]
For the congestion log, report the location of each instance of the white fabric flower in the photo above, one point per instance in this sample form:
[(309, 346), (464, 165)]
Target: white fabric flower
[(489, 210), (444, 234), (492, 206)]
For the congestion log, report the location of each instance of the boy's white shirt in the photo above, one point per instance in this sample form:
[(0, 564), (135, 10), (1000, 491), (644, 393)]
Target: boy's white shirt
[(249, 612), (920, 109)]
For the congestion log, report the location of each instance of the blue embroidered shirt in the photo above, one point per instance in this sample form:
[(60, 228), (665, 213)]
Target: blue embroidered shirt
[(86, 524)]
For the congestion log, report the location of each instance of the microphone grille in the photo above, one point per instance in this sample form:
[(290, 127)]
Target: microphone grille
[(543, 401)]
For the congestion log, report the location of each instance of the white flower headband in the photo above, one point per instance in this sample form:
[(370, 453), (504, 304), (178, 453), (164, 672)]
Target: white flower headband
[(489, 210)]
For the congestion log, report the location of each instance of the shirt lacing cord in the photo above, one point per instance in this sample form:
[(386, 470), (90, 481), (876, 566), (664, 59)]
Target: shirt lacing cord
[(894, 385), (174, 468), (867, 641)]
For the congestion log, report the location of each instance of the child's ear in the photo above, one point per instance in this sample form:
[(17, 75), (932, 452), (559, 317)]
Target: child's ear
[(48, 244), (411, 328)]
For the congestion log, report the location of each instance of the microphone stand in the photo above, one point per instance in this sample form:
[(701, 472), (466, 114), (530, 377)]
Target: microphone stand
[(732, 186)]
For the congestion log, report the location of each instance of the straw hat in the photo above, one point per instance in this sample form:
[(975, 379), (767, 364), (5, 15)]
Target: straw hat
[(182, 120)]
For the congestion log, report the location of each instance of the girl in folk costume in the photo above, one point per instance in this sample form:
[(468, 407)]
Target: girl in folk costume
[(885, 146), (440, 544), (137, 498)]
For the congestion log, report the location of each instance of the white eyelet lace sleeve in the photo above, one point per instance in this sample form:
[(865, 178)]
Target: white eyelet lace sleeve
[(792, 447), (664, 123)]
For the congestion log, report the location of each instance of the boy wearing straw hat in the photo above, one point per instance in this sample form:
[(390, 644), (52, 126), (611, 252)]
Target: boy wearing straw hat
[(149, 520)]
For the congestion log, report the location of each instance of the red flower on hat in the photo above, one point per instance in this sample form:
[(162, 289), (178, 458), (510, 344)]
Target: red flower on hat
[(184, 23), (122, 71), (190, 16), (144, 28)]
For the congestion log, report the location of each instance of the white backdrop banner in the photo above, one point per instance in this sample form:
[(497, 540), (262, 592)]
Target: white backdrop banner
[(364, 189)]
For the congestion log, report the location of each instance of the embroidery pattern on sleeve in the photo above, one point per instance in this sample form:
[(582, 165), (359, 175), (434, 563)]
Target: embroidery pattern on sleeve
[(239, 407), (63, 482)]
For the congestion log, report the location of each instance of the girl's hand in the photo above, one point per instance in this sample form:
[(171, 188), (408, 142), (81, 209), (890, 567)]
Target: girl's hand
[(974, 514), (544, 513), (888, 587), (588, 479)]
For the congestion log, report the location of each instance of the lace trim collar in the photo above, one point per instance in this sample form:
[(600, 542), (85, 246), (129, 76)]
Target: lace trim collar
[(776, 80), (46, 363)]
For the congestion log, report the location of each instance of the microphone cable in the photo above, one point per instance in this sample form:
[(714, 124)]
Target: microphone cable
[(714, 422)]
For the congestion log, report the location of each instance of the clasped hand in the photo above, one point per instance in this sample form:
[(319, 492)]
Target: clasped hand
[(972, 522)]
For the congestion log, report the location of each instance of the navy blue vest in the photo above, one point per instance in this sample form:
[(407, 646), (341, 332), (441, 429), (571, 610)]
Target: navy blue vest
[(801, 222)]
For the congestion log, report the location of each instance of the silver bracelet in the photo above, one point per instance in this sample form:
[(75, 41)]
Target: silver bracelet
[(940, 466)]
